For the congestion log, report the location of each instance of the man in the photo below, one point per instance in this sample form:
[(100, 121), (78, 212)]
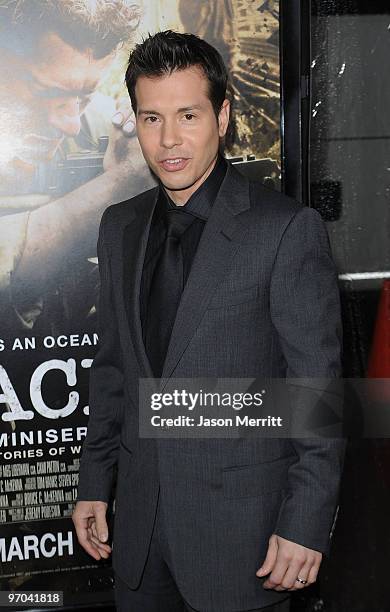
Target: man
[(54, 57), (206, 275)]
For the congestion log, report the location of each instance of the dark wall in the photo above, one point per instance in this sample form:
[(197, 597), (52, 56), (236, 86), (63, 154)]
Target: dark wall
[(350, 186)]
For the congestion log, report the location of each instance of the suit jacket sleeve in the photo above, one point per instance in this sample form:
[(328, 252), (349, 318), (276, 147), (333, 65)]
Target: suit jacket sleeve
[(100, 448), (305, 309)]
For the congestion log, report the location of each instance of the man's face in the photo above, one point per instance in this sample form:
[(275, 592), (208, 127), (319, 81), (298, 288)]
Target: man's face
[(176, 121), (45, 96)]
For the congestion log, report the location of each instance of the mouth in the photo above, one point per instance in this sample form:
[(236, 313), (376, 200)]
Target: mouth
[(173, 164)]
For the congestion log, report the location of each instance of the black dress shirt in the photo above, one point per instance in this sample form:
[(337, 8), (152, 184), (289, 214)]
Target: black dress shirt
[(199, 205)]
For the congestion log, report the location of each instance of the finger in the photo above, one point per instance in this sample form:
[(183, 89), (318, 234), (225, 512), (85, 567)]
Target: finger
[(104, 549), (313, 573), (296, 568), (270, 558), (275, 579), (93, 529), (118, 119), (95, 538), (124, 112), (84, 541), (125, 121), (99, 547), (129, 127), (91, 521), (83, 517), (101, 524)]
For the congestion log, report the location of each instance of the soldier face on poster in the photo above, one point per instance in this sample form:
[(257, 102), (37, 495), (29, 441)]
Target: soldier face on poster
[(68, 150)]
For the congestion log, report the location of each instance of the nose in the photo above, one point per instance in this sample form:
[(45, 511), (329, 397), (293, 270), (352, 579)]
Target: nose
[(170, 135), (65, 116)]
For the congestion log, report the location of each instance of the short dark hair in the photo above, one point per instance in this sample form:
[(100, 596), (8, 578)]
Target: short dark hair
[(165, 52), (81, 24)]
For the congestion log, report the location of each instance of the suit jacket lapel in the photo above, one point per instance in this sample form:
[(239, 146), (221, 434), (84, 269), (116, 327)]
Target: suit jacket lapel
[(135, 236), (219, 242)]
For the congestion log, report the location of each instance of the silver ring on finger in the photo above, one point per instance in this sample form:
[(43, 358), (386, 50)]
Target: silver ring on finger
[(301, 580)]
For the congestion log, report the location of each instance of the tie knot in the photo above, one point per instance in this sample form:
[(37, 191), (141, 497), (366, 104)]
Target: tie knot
[(177, 222)]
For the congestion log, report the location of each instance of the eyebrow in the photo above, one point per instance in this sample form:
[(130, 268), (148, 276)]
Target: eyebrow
[(51, 91), (183, 109), (56, 92)]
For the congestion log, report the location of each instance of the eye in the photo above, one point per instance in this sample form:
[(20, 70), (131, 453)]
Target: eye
[(151, 117), (189, 115)]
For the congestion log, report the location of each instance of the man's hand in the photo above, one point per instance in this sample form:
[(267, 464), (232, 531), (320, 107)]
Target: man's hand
[(123, 148), (286, 561), (124, 118), (89, 518)]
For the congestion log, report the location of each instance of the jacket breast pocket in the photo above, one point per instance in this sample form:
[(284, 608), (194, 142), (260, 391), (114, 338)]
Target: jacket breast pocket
[(225, 298), (256, 479)]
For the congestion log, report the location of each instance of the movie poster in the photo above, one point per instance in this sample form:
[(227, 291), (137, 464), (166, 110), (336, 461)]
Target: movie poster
[(67, 151)]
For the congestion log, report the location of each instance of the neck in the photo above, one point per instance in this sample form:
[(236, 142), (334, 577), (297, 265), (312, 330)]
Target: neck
[(181, 196)]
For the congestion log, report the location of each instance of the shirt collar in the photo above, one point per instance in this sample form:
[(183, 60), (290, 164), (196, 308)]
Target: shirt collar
[(201, 201)]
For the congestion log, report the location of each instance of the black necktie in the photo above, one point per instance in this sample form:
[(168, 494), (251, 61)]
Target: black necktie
[(166, 289)]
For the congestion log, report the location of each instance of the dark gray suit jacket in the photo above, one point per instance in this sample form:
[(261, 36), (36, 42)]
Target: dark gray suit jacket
[(261, 300)]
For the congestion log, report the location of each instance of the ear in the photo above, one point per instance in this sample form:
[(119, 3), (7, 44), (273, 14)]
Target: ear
[(223, 118)]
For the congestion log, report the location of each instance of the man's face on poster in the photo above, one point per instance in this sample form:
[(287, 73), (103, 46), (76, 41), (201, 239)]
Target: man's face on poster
[(44, 96)]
